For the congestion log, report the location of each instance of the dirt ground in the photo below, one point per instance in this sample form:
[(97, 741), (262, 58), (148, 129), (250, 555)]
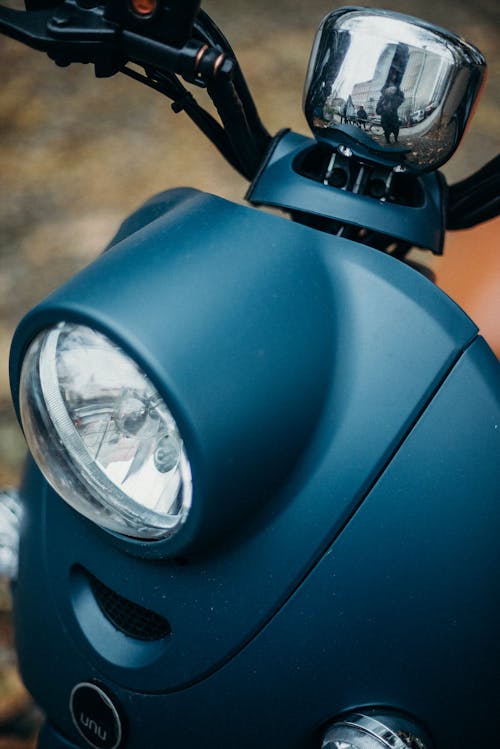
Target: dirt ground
[(77, 154)]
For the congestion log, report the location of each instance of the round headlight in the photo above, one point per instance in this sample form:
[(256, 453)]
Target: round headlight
[(102, 435)]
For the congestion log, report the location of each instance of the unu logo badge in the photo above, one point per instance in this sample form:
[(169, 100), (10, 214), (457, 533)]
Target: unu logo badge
[(95, 716)]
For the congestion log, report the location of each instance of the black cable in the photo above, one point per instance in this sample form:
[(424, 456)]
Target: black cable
[(228, 104), (474, 215), (212, 34), (203, 119), (476, 198), (242, 139), (182, 99)]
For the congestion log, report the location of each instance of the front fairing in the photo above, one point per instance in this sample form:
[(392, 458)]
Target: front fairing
[(332, 594)]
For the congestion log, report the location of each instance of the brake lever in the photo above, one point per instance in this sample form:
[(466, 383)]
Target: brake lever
[(69, 33)]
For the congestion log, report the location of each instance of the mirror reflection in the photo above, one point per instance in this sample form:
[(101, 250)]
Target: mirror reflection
[(403, 85)]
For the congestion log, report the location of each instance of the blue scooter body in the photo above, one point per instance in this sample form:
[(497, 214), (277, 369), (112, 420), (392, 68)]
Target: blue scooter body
[(342, 419)]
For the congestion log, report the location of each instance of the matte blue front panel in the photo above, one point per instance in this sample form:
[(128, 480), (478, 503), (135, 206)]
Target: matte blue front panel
[(402, 610), (390, 338), (265, 643)]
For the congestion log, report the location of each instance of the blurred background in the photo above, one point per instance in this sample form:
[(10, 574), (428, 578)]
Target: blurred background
[(78, 154)]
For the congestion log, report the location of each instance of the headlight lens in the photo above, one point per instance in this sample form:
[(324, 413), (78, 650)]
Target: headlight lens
[(102, 435)]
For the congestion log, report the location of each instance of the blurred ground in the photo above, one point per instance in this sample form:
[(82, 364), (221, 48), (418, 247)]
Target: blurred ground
[(77, 154)]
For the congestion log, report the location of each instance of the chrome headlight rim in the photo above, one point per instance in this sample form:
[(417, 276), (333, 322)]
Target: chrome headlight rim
[(112, 516)]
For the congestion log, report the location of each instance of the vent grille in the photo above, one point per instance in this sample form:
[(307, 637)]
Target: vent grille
[(130, 618)]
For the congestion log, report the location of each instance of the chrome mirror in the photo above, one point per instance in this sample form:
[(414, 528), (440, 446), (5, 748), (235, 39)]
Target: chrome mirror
[(396, 85)]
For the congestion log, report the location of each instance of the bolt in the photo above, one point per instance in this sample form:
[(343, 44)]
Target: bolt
[(60, 21)]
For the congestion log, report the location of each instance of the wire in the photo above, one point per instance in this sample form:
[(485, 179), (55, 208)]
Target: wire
[(475, 199), (234, 102), (228, 104), (183, 100), (242, 138), (212, 34)]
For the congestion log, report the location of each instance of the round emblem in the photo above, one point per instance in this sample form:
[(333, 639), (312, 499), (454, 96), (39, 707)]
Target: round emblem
[(95, 716)]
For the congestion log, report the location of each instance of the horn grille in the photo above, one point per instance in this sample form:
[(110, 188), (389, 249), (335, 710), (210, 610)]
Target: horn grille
[(127, 616)]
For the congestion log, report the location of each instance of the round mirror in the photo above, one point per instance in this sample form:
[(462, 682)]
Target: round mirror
[(396, 84)]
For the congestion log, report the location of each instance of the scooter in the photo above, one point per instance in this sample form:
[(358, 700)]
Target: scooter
[(261, 507)]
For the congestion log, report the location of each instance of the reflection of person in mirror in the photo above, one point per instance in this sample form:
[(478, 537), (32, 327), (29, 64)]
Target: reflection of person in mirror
[(362, 117), (391, 99), (348, 113)]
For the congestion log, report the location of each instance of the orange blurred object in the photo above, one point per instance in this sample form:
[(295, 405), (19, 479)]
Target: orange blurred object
[(143, 7), (469, 272)]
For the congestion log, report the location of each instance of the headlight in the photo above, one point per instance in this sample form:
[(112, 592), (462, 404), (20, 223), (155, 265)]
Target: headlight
[(102, 435)]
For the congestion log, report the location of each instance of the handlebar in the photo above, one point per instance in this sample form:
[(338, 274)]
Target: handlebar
[(168, 38), (109, 36)]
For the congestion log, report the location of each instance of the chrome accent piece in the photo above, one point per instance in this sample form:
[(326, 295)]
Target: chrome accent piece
[(376, 729), (396, 84), (360, 731), (95, 716), (345, 151), (10, 525)]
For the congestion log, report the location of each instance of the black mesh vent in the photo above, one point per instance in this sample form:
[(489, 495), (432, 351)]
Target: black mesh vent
[(130, 618)]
